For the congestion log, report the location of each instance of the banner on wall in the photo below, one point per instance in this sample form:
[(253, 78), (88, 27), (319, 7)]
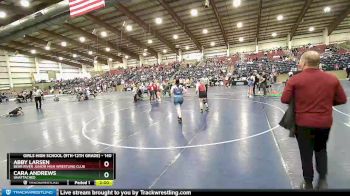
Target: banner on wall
[(193, 56), (69, 76), (41, 77)]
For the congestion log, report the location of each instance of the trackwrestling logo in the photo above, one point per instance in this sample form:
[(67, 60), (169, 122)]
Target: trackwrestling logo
[(22, 192)]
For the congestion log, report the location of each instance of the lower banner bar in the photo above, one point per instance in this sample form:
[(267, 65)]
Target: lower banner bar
[(21, 192)]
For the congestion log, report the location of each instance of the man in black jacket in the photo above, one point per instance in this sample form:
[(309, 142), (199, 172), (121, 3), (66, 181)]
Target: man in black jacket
[(256, 81)]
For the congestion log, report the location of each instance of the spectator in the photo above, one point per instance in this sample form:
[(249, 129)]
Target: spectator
[(3, 97), (314, 93), (263, 82)]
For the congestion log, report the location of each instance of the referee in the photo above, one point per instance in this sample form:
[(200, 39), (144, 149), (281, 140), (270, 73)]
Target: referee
[(37, 97)]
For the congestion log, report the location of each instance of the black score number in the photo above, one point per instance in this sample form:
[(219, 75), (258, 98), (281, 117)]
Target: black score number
[(105, 182)]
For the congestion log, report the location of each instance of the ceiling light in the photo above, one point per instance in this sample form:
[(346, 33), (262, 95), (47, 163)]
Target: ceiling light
[(311, 29), (63, 44), (60, 58), (274, 34), (110, 59), (165, 51), (280, 17), (175, 36), (187, 47), (82, 39), (144, 54), (159, 20), (3, 14), (239, 24), (48, 46), (103, 34), (90, 52), (194, 12), (212, 43), (33, 51), (126, 56), (236, 3), (241, 39), (25, 3), (149, 41), (128, 27), (108, 49), (205, 31), (75, 56), (327, 9)]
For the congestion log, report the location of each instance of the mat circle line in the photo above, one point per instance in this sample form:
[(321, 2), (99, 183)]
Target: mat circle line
[(83, 130)]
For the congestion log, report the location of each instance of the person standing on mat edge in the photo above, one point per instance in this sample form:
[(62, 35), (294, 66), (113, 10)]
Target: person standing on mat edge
[(177, 91), (206, 83), (256, 81), (201, 89), (37, 97), (263, 82), (348, 72), (314, 93)]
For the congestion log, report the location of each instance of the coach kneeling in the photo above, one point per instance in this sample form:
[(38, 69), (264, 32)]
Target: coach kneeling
[(314, 93)]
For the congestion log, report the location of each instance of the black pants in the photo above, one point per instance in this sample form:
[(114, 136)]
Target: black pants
[(263, 86), (38, 99), (347, 74), (152, 95), (310, 140), (255, 84)]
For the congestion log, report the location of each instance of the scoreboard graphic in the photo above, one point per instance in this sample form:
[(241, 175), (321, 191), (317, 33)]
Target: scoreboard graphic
[(81, 169)]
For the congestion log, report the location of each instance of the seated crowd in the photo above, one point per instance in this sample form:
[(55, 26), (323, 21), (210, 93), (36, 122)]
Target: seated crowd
[(216, 70)]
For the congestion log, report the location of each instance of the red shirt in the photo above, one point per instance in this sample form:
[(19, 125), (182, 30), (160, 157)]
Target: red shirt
[(314, 92), (155, 87)]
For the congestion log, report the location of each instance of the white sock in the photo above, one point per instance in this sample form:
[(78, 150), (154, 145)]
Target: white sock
[(178, 110), (201, 104)]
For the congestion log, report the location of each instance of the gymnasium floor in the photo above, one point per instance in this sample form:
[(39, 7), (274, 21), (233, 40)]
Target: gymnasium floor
[(237, 145)]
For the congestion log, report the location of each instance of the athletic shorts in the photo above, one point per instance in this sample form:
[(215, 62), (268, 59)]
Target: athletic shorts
[(250, 83), (202, 94), (178, 100)]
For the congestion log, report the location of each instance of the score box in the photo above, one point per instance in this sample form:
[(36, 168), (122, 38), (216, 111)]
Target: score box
[(59, 168)]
